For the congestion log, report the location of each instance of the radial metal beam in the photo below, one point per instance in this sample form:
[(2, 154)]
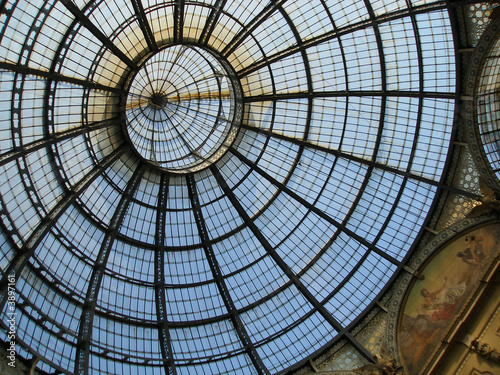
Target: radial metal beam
[(160, 293), (334, 34), (53, 139), (350, 93), (89, 307), (144, 24), (252, 25), (24, 70), (178, 21), (212, 21), (219, 279), (282, 264), (313, 208), (269, 249), (26, 252), (96, 31), (6, 9), (357, 159)]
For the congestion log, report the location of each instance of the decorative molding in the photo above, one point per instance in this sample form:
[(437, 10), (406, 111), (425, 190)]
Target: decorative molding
[(486, 351), (469, 108), (323, 358)]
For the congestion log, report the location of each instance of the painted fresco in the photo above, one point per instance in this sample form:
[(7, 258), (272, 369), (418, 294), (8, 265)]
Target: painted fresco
[(433, 302)]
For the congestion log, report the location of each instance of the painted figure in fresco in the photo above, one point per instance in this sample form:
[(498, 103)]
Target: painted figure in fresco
[(442, 303), (473, 254), (432, 303), (430, 298)]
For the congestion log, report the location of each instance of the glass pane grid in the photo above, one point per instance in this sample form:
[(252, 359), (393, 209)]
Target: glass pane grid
[(219, 181)]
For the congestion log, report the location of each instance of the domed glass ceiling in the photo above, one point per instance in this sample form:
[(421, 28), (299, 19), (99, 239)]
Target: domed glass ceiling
[(213, 187)]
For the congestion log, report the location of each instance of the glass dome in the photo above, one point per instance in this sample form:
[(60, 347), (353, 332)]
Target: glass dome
[(214, 187)]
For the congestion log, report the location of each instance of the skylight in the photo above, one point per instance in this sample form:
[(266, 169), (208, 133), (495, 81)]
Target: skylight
[(214, 187)]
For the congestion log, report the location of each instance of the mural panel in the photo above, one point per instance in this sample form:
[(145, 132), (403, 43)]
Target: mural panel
[(450, 277)]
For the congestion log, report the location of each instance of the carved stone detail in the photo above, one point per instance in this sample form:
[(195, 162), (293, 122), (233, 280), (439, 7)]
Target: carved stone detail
[(486, 351)]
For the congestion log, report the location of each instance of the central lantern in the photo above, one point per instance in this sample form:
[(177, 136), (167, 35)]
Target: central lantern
[(183, 109)]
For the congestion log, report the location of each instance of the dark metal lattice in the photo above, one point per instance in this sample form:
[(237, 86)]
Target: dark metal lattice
[(262, 246)]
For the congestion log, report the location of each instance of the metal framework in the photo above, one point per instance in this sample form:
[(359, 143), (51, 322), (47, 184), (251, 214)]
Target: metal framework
[(342, 117), (179, 7), (282, 264), (24, 70), (212, 21), (88, 312), (26, 252), (94, 29), (251, 26), (145, 26), (160, 293), (53, 139), (247, 344)]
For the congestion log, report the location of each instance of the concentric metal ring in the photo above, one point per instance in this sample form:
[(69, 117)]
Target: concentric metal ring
[(180, 109)]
